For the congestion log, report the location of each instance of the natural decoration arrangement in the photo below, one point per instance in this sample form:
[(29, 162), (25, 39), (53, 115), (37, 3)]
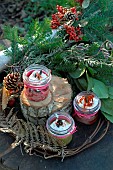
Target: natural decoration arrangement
[(76, 44), (68, 52)]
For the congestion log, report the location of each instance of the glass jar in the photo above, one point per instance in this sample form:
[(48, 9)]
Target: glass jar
[(61, 126), (86, 106), (36, 80)]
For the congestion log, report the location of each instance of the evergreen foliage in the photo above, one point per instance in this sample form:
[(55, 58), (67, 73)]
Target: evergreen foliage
[(98, 20), (34, 46)]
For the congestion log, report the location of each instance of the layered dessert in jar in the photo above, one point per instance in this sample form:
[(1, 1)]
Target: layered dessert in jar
[(36, 80), (86, 106), (61, 126)]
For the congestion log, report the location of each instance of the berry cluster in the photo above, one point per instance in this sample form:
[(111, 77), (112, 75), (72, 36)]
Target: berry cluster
[(66, 17), (74, 32), (61, 16)]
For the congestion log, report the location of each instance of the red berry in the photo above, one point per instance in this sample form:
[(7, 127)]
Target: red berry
[(11, 102)]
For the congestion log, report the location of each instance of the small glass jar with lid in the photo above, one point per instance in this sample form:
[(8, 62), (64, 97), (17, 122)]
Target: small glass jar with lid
[(61, 126), (36, 80), (86, 106)]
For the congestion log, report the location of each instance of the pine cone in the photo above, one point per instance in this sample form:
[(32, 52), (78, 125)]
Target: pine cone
[(12, 81), (69, 16)]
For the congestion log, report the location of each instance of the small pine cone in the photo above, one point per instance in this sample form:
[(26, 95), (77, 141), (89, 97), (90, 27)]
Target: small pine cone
[(11, 81), (69, 16)]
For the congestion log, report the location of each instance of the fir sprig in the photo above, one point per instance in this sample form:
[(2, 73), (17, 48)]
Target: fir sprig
[(36, 46), (97, 20)]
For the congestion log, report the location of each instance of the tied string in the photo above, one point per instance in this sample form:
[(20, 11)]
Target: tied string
[(36, 87), (38, 75), (83, 115), (73, 130)]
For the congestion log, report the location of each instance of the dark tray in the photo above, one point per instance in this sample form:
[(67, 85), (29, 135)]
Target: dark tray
[(40, 143)]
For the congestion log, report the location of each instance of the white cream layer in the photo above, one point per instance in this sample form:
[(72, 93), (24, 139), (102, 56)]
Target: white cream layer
[(82, 103), (33, 77)]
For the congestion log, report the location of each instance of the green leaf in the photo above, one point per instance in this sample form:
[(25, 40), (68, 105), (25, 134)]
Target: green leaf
[(85, 3), (90, 82), (108, 117), (110, 92), (107, 106), (78, 72), (91, 70), (78, 85), (83, 83), (100, 89)]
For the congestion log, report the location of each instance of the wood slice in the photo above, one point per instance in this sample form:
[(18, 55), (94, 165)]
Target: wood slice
[(59, 98)]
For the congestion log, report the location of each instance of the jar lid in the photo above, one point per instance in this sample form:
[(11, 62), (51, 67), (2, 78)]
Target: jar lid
[(37, 75), (87, 102), (60, 123)]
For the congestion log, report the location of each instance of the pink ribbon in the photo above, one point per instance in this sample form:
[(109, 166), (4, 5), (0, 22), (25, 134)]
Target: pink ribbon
[(87, 116), (73, 130), (36, 87)]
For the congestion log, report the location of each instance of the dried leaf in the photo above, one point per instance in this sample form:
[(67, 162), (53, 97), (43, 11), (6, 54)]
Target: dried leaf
[(5, 98)]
